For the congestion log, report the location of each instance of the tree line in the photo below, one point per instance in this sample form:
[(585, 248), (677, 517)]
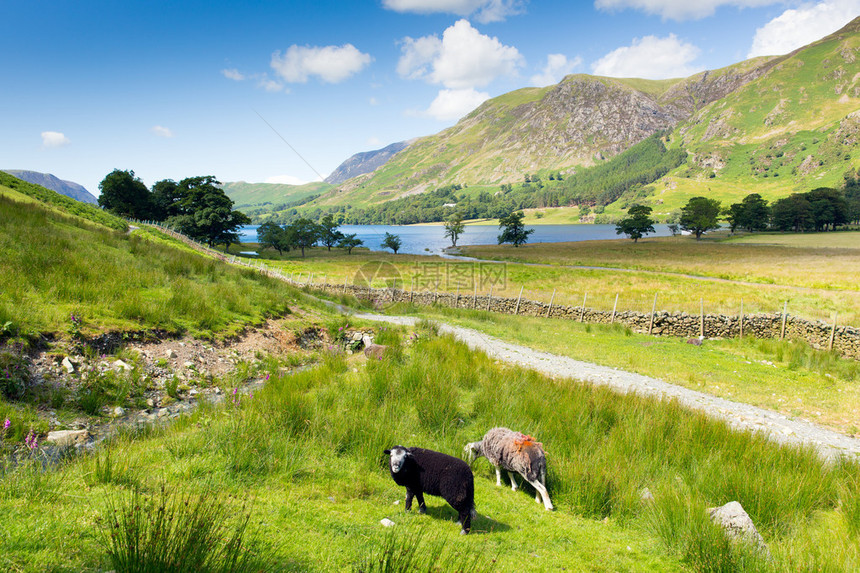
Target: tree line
[(195, 206)]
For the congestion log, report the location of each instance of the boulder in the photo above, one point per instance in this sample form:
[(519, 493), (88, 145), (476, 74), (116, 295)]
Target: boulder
[(65, 438), (170, 353), (120, 365), (376, 351), (68, 365), (735, 520)]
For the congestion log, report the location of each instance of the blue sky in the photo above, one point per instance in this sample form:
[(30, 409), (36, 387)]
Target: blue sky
[(177, 89)]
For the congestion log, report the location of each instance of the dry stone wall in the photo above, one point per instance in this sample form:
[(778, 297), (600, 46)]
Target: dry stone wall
[(845, 339)]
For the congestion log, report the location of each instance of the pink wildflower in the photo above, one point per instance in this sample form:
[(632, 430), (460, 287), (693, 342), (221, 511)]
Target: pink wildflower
[(31, 441), (7, 424)]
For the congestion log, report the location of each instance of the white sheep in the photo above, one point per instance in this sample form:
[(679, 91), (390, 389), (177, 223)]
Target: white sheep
[(514, 452)]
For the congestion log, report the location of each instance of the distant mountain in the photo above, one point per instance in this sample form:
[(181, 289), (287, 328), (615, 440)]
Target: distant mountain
[(365, 162), (48, 181)]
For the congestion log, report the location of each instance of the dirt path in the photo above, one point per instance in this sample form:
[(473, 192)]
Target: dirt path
[(776, 426)]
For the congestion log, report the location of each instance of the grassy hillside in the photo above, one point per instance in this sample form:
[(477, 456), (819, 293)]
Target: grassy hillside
[(793, 129), (251, 198), (302, 461), (54, 264)]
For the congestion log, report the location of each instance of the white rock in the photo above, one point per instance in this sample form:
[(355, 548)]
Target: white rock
[(68, 366), (367, 340), (163, 412), (189, 364), (170, 353), (386, 522), (63, 438), (118, 412), (737, 523), (120, 365)]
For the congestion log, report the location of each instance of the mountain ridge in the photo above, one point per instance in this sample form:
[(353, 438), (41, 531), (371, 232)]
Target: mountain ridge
[(54, 183)]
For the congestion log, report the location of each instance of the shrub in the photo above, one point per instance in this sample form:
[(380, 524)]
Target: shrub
[(14, 374)]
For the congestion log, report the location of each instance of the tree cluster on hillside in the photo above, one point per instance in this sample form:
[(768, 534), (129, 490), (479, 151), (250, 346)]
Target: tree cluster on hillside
[(196, 206), (821, 209), (303, 234)]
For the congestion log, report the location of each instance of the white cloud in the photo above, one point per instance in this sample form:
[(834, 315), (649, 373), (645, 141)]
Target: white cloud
[(374, 142), (801, 26), (233, 74), (557, 66), (679, 9), (454, 104), (331, 64), (485, 11), (285, 180), (373, 101), (161, 131), (270, 85), (649, 57), (54, 139), (463, 59)]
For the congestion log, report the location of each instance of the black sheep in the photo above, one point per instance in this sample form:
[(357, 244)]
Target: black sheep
[(423, 471)]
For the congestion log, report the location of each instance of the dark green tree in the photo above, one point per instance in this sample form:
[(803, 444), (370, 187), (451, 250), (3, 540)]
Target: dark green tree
[(514, 230), (392, 242), (793, 213), (349, 242), (329, 235), (637, 223), (272, 236), (829, 208), (454, 227), (125, 195), (734, 216), (165, 198), (303, 233), (205, 213), (700, 215)]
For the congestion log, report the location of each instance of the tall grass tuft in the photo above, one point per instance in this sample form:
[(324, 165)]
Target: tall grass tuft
[(174, 531), (412, 553)]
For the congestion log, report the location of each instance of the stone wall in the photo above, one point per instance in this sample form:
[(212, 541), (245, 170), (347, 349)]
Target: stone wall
[(846, 339)]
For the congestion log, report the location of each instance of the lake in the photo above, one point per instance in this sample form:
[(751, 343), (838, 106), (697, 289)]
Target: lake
[(430, 239)]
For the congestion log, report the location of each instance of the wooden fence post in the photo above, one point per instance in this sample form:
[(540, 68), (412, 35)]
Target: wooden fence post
[(741, 320), (582, 308), (832, 332), (475, 297), (702, 317), (517, 310), (614, 307), (784, 312), (552, 298), (345, 280), (653, 309), (411, 289), (457, 297), (310, 279), (490, 298)]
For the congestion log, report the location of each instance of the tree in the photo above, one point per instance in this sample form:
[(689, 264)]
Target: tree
[(329, 235), (391, 242), (700, 215), (454, 227), (637, 223), (205, 213), (514, 230), (272, 236), (349, 242), (756, 213), (734, 216), (125, 195), (164, 197), (303, 234)]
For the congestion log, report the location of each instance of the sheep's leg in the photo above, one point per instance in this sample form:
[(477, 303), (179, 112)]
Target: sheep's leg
[(498, 476), (465, 521), (541, 489), (422, 509), (409, 496), (513, 480)]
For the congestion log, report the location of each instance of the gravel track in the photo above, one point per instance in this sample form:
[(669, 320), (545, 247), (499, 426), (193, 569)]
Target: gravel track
[(778, 427)]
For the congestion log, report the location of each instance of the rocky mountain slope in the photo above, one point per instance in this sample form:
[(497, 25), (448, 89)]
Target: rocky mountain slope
[(365, 162), (48, 181)]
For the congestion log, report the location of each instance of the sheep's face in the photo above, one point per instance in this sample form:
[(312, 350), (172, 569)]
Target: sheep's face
[(398, 454), (471, 452)]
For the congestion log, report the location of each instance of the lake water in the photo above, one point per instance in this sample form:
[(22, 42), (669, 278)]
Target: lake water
[(430, 239)]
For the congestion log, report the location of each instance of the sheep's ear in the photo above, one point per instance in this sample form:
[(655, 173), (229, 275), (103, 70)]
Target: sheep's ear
[(387, 452)]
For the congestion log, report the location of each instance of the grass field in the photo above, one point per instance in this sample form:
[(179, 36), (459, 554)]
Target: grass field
[(816, 281), (302, 462)]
